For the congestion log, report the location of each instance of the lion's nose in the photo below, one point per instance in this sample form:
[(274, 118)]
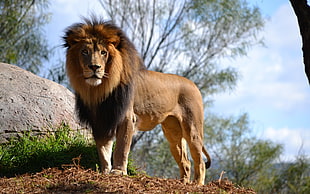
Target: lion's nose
[(94, 67)]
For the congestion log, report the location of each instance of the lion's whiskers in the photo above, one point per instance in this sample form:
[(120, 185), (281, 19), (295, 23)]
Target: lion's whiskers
[(105, 75)]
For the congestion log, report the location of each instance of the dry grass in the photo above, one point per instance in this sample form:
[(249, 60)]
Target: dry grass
[(74, 179)]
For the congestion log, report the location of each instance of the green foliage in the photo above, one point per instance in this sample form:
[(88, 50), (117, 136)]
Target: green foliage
[(21, 35), (30, 154), (291, 177), (241, 155), (252, 162), (217, 29), (296, 177), (132, 169)]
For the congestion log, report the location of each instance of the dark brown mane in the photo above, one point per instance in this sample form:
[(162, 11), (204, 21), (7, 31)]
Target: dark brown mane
[(105, 117)]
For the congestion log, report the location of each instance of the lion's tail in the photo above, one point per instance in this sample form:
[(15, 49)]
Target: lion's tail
[(208, 163)]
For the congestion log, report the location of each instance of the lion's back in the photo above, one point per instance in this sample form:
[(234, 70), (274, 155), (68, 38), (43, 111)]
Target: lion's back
[(157, 95)]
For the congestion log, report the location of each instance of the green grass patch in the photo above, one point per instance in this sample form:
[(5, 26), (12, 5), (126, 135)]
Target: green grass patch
[(30, 154)]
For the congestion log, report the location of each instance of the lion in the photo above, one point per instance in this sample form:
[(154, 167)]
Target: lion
[(116, 95)]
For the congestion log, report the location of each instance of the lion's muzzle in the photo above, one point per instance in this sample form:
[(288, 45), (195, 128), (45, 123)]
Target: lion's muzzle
[(94, 74)]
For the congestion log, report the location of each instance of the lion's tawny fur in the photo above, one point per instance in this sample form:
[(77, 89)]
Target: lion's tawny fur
[(115, 95)]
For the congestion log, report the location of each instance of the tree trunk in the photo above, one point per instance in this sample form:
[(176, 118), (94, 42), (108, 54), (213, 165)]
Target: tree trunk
[(302, 11)]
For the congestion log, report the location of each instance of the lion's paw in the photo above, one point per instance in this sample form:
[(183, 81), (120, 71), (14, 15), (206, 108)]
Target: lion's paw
[(118, 172), (105, 171)]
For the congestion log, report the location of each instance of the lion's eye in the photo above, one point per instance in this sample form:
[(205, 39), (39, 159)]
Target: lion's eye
[(104, 53), (84, 52)]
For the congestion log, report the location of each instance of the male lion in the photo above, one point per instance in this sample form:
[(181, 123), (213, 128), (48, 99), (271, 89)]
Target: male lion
[(115, 94)]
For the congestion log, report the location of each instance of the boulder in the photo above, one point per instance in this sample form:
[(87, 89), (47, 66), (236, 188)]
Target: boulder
[(31, 103)]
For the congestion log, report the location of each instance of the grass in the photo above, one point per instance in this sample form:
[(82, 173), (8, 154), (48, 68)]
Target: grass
[(30, 154)]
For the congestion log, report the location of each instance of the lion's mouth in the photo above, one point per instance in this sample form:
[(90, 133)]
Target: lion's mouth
[(93, 80), (93, 76)]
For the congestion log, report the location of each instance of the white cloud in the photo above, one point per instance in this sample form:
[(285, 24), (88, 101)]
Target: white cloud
[(293, 140)]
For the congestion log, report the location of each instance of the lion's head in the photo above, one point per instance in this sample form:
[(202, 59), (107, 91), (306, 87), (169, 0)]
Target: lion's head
[(99, 58)]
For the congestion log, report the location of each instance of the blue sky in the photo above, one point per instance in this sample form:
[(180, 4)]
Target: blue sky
[(273, 88)]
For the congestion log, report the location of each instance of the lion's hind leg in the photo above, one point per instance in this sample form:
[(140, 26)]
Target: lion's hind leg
[(195, 144), (173, 132)]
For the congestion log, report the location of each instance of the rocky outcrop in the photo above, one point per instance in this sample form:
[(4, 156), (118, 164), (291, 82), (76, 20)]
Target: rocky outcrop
[(32, 103)]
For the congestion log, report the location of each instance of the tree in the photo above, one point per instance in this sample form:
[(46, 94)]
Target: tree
[(241, 155), (302, 11), (293, 177), (189, 37), (21, 35), (286, 177), (57, 73)]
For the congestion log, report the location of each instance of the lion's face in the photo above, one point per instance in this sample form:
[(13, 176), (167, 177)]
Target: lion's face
[(99, 59), (93, 59), (94, 68)]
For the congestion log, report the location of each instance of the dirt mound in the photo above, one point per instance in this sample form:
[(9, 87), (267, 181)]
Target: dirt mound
[(73, 179)]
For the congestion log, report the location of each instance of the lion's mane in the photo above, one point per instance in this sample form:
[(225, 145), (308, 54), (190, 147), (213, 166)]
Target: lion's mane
[(104, 106)]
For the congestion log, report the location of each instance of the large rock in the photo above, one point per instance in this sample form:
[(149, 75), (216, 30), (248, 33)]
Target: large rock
[(29, 102)]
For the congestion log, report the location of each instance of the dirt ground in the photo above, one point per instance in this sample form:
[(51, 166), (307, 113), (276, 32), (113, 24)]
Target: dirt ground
[(74, 179)]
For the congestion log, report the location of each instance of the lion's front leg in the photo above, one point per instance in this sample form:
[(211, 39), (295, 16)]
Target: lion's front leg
[(104, 148), (124, 135)]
